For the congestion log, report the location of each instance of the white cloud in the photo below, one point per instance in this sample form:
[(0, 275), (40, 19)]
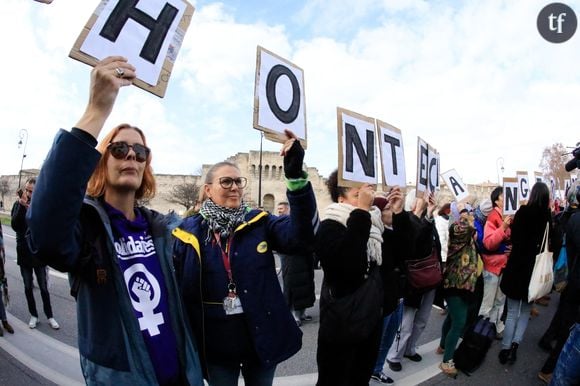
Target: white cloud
[(474, 79)]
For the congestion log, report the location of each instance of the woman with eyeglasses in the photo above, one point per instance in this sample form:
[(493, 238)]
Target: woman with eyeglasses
[(227, 273), (131, 324)]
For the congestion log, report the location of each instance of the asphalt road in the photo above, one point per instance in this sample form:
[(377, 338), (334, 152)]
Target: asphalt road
[(45, 356)]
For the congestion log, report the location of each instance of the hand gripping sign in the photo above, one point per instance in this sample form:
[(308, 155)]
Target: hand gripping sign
[(279, 97), (149, 33)]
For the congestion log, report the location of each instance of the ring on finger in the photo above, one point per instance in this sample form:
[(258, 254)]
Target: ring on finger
[(119, 72)]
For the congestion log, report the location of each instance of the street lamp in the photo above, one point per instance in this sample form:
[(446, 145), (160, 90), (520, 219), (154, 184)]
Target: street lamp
[(260, 172), (498, 167), (22, 140)]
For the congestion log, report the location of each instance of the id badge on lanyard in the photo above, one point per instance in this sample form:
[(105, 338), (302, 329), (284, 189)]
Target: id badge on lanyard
[(232, 303)]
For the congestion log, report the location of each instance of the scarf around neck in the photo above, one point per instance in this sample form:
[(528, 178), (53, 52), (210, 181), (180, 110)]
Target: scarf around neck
[(340, 213), (220, 219)]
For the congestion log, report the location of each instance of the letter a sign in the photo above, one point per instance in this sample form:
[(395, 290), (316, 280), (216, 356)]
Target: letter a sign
[(356, 149), (148, 33), (279, 97)]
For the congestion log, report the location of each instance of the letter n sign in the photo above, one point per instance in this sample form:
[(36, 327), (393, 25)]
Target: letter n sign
[(356, 149), (148, 33), (510, 195), (279, 97)]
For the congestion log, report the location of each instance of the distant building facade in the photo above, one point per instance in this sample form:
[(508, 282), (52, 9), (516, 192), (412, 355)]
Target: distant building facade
[(271, 191)]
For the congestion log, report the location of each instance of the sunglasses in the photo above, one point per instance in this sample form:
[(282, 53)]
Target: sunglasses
[(119, 150), (228, 182)]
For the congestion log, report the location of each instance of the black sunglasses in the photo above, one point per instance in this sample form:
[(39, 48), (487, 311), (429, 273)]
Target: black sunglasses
[(119, 150), (227, 182)]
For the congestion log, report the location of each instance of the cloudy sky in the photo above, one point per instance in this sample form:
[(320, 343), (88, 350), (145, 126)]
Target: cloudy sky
[(472, 78)]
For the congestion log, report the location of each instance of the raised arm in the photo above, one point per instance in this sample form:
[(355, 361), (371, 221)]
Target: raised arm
[(54, 214)]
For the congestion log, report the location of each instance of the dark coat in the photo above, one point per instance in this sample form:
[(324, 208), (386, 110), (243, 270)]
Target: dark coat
[(23, 255), (298, 280), (73, 234), (265, 328), (527, 232)]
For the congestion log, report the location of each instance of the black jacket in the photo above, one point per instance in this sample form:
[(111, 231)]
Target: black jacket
[(24, 257), (527, 233)]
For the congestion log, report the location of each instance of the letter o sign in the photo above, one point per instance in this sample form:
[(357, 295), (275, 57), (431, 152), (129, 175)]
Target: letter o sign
[(289, 115)]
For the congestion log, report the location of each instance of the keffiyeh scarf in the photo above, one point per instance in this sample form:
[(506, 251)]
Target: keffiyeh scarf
[(340, 213), (220, 219)]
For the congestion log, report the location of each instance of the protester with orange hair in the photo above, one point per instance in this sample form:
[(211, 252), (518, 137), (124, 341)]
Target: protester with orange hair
[(130, 317)]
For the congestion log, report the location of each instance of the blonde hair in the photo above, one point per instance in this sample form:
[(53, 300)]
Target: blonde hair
[(98, 181)]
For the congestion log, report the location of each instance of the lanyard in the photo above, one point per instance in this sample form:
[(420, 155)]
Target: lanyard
[(226, 260)]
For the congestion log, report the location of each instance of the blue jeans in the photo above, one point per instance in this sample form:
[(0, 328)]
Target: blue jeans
[(567, 370), (390, 327), (516, 322), (40, 273), (253, 373)]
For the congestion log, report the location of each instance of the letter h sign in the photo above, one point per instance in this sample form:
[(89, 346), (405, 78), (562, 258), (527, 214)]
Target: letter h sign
[(149, 33)]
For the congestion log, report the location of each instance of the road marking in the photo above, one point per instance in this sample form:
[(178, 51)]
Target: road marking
[(65, 367)]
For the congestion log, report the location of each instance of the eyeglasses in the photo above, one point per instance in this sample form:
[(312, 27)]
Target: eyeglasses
[(119, 150), (227, 182)]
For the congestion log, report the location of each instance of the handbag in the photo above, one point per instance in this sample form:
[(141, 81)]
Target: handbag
[(424, 274), (352, 318), (561, 269), (543, 275)]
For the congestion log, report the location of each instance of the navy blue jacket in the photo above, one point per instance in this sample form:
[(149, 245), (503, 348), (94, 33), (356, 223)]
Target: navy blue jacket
[(73, 234), (266, 327)]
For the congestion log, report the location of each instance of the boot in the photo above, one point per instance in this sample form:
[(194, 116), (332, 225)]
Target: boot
[(1, 331), (7, 327), (503, 355), (513, 354)]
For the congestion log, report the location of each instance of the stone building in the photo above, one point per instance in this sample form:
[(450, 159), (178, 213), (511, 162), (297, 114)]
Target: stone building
[(272, 190)]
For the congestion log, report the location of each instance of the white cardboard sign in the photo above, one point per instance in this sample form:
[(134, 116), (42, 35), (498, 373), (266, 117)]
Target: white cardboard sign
[(279, 97), (523, 185), (356, 149), (392, 154), (148, 33), (455, 184), (510, 195), (427, 168)]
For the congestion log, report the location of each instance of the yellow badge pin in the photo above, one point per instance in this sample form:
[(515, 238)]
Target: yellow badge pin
[(262, 247)]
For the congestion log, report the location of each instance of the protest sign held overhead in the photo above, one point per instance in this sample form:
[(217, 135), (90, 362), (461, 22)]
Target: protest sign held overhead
[(279, 97), (455, 184), (148, 33), (392, 154), (356, 149), (433, 168), (427, 168), (523, 185), (510, 195)]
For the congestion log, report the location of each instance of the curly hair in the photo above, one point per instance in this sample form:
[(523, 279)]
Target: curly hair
[(333, 188)]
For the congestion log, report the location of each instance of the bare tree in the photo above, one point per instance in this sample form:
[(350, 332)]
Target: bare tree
[(553, 161), (185, 194), (4, 188)]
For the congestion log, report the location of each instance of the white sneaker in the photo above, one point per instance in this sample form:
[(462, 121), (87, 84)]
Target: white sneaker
[(33, 321), (53, 323)]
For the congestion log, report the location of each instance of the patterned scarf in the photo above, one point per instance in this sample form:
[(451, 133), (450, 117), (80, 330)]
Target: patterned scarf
[(340, 212), (221, 219)]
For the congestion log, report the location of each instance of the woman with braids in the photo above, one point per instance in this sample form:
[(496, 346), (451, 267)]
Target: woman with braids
[(227, 272)]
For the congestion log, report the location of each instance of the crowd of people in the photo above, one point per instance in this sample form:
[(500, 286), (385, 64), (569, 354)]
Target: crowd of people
[(171, 301)]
